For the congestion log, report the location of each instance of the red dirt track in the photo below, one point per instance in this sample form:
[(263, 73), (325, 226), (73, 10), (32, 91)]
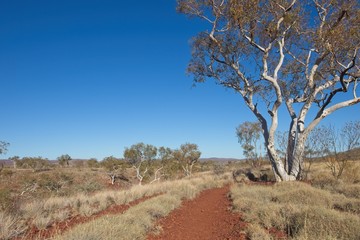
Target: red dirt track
[(208, 216)]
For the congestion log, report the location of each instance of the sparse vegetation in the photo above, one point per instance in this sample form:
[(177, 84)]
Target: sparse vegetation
[(136, 222), (42, 213), (305, 212), (40, 199), (64, 160)]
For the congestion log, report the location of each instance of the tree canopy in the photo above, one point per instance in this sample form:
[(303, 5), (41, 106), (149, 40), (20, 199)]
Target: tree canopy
[(187, 155), (3, 147), (64, 159), (291, 54)]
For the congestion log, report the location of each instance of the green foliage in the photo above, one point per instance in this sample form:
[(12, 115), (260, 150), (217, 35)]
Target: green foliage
[(187, 156), (165, 155), (54, 182), (92, 163), (112, 164), (64, 160), (34, 163), (248, 134), (3, 147), (139, 153), (280, 55)]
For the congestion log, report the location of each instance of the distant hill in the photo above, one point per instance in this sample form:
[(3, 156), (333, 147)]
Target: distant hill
[(215, 159), (6, 162), (353, 154)]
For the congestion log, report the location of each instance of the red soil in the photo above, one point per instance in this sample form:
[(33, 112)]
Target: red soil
[(60, 227), (208, 216)]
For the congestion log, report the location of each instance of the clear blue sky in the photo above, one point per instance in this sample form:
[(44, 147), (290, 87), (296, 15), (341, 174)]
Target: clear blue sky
[(89, 78)]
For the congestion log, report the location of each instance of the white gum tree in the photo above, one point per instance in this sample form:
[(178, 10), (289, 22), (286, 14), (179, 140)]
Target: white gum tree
[(140, 156), (301, 56)]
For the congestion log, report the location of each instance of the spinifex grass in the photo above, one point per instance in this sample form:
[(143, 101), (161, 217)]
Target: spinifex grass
[(300, 210)]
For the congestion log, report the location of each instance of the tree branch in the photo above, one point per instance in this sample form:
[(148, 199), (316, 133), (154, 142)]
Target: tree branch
[(330, 110)]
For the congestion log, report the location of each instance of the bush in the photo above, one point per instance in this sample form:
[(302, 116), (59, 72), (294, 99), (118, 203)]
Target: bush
[(89, 187), (54, 182), (219, 169)]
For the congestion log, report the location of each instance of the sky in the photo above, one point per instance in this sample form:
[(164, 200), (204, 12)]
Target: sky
[(90, 77)]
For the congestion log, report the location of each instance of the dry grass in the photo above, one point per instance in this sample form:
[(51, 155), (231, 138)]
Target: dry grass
[(256, 232), (302, 211), (10, 226), (137, 221), (44, 212)]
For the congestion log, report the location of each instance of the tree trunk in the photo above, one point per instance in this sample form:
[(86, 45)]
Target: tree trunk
[(112, 179), (292, 169), (296, 163), (277, 165)]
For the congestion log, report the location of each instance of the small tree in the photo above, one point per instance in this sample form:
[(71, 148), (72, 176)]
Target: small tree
[(334, 145), (64, 160), (140, 156), (248, 134), (351, 134), (312, 151), (165, 157), (35, 163), (114, 168), (187, 156), (15, 160)]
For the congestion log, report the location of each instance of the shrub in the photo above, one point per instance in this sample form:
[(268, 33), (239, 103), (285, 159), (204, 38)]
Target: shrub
[(219, 169), (89, 187)]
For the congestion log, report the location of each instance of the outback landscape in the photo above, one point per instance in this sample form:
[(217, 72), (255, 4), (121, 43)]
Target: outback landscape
[(86, 79), (218, 200)]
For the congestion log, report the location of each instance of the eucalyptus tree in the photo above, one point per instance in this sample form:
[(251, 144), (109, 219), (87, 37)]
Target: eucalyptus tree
[(299, 56), (140, 156), (64, 160), (165, 156), (248, 134), (187, 155), (114, 167)]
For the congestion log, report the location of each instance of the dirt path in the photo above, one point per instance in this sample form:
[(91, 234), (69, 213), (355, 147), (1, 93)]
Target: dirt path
[(206, 217)]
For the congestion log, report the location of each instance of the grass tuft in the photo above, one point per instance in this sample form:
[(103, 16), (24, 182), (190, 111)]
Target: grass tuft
[(302, 211), (138, 220)]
